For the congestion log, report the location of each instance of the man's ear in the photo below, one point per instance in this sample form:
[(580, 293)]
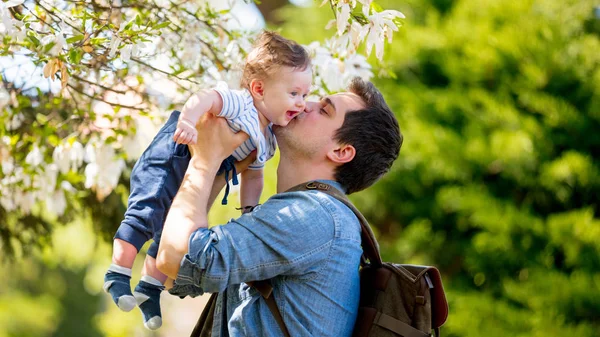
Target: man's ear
[(342, 154), (257, 88)]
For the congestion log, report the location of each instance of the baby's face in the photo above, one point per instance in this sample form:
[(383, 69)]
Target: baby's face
[(284, 94)]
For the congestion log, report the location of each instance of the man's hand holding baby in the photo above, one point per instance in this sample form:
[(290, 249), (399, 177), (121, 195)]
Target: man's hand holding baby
[(215, 141)]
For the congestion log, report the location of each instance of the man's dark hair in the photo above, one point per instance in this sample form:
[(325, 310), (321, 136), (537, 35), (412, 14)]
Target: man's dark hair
[(270, 52), (374, 133)]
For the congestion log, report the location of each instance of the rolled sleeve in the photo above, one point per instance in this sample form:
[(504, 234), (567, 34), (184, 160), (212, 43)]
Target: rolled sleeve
[(193, 264)]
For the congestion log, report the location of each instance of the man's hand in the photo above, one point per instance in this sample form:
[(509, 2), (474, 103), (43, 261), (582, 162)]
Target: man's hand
[(215, 141)]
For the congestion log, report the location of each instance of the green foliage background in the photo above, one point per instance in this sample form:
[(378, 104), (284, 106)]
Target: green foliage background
[(497, 183), (498, 180)]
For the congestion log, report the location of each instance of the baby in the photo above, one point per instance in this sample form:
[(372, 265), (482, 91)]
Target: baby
[(276, 79)]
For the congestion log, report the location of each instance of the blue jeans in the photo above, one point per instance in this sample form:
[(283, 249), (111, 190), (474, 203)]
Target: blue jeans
[(155, 179)]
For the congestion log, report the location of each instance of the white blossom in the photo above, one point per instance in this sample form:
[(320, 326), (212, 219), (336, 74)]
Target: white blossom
[(10, 26), (68, 156), (366, 5), (115, 41), (382, 26), (357, 65), (4, 98), (104, 169), (35, 157), (56, 202), (25, 201), (342, 18), (135, 144), (15, 122), (126, 53), (76, 156), (59, 42), (46, 182)]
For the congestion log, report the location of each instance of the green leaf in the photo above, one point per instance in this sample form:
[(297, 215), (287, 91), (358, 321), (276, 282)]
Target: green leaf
[(53, 140), (161, 25), (42, 119), (75, 38), (376, 7), (48, 47), (75, 56), (98, 40), (138, 20), (33, 39)]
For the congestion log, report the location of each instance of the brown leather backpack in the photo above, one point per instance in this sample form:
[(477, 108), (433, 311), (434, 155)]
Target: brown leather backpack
[(395, 299)]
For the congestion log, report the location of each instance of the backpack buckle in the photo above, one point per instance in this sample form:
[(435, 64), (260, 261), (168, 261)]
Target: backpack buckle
[(313, 185)]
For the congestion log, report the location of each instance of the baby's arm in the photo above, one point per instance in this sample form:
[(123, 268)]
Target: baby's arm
[(251, 188), (202, 102)]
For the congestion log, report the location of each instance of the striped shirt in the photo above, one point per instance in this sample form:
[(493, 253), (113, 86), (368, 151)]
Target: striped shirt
[(241, 115)]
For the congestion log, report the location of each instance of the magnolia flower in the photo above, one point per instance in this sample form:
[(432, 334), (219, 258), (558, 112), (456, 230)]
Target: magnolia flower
[(7, 201), (4, 98), (115, 41), (12, 27), (46, 182), (135, 144), (59, 42), (331, 72), (7, 164), (382, 25), (104, 169), (366, 5), (10, 3), (357, 65), (15, 122), (126, 53), (358, 33), (343, 16), (35, 157), (68, 157), (56, 202), (25, 201)]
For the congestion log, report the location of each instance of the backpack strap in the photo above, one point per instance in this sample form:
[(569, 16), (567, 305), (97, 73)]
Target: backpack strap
[(265, 289), (369, 243), (370, 246)]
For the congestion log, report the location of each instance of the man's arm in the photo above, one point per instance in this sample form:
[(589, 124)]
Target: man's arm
[(288, 235), (189, 208)]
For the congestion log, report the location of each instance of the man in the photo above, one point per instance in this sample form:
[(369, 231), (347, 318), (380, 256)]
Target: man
[(307, 243)]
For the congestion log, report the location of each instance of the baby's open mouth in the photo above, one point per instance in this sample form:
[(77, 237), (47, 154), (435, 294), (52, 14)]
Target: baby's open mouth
[(292, 114)]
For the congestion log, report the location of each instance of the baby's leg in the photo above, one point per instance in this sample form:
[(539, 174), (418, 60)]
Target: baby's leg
[(155, 179), (147, 292), (116, 280)]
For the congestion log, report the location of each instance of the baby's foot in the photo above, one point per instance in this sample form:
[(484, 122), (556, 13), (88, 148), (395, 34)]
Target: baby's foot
[(147, 295), (116, 283)]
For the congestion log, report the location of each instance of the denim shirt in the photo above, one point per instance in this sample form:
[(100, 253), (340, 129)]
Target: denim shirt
[(307, 243)]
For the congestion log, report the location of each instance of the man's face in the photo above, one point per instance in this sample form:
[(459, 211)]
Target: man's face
[(311, 133)]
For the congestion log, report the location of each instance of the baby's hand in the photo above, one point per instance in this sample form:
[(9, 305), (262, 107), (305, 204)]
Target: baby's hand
[(186, 132)]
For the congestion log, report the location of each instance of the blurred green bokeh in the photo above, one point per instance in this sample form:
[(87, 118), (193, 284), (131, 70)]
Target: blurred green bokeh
[(497, 184)]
